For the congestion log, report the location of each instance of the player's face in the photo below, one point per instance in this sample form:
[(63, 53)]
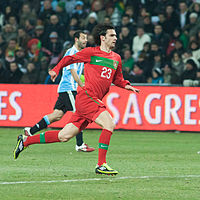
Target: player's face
[(110, 38), (82, 41)]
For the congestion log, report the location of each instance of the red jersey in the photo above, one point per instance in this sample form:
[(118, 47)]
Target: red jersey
[(100, 70)]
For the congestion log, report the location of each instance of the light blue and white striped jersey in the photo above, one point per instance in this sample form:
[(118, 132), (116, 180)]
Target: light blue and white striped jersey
[(67, 82)]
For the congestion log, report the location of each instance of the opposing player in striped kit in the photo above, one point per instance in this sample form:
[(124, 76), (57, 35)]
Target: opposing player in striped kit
[(102, 67), (67, 91)]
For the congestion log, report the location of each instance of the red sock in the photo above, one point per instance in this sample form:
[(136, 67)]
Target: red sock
[(42, 138), (104, 141)]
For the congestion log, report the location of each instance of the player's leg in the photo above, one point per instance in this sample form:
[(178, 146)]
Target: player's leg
[(56, 115), (107, 124), (69, 131), (80, 145), (67, 103)]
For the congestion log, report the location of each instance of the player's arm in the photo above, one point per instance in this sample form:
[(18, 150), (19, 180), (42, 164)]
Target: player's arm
[(81, 56), (76, 77), (129, 87), (119, 81)]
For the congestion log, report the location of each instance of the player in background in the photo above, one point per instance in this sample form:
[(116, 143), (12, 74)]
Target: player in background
[(102, 67), (67, 91)]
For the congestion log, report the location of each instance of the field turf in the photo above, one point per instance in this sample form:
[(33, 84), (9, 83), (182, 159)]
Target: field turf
[(151, 165)]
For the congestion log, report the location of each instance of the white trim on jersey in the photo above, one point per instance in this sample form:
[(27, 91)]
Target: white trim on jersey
[(72, 100)]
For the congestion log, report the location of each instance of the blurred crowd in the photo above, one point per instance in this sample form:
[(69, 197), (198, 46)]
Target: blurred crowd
[(158, 40)]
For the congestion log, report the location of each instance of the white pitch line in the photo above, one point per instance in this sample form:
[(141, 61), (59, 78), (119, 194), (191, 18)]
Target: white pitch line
[(100, 179)]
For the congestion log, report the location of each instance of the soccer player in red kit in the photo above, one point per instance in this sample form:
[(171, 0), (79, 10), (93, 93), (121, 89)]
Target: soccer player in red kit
[(102, 67)]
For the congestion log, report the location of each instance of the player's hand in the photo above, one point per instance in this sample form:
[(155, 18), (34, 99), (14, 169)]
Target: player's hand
[(53, 75), (83, 85), (129, 87)]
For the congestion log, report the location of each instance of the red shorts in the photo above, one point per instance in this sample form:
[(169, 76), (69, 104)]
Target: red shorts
[(87, 109)]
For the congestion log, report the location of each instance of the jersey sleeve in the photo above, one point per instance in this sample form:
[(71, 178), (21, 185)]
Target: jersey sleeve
[(118, 79), (81, 56), (72, 66)]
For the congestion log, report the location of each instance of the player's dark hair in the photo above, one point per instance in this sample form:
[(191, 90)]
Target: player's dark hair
[(100, 29), (78, 33)]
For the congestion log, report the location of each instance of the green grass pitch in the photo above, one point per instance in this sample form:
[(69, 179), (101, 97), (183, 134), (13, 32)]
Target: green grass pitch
[(151, 165)]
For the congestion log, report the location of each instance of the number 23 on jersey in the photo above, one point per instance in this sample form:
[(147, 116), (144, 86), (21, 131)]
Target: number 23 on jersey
[(106, 72)]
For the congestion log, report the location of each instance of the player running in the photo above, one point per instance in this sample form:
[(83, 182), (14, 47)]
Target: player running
[(102, 67), (67, 91)]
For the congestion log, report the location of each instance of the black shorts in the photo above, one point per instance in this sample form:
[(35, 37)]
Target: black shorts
[(66, 101)]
